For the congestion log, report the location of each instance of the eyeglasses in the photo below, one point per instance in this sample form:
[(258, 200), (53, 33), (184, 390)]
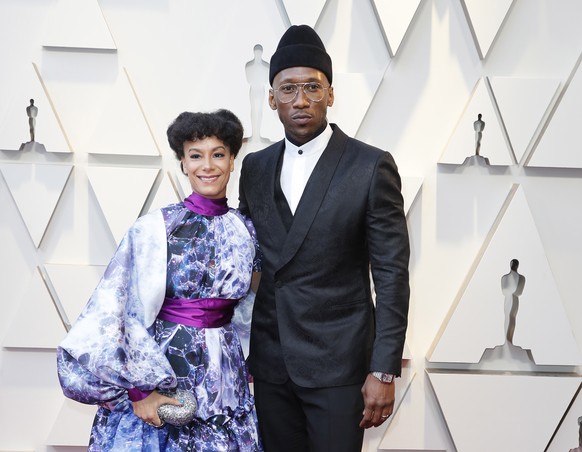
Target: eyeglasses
[(287, 92)]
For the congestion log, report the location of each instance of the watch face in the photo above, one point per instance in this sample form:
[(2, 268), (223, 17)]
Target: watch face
[(387, 378), (383, 377)]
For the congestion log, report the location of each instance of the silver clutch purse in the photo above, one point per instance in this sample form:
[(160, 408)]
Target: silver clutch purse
[(178, 415)]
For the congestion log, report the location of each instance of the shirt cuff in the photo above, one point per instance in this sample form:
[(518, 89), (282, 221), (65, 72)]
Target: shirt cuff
[(135, 395)]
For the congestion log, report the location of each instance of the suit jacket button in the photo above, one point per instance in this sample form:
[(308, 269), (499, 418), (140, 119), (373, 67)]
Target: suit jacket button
[(278, 284)]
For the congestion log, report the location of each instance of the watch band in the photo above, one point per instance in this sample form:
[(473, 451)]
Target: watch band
[(383, 377)]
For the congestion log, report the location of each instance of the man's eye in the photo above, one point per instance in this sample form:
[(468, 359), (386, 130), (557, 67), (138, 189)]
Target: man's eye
[(312, 87), (288, 89)]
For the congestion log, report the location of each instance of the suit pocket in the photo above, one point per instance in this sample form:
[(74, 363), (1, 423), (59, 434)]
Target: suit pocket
[(341, 304)]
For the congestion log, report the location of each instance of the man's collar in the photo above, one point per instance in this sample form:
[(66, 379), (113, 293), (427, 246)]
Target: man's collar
[(318, 142)]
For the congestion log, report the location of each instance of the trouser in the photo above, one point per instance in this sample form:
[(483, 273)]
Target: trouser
[(297, 419)]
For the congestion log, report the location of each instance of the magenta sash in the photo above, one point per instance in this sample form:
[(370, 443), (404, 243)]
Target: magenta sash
[(198, 312)]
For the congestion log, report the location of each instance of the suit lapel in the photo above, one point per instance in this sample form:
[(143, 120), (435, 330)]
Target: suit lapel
[(269, 172), (313, 194)]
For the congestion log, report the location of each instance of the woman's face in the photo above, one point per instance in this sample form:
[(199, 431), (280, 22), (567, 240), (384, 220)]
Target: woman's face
[(208, 164)]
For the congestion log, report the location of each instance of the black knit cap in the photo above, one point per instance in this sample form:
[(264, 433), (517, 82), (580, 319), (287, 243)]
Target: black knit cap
[(300, 45)]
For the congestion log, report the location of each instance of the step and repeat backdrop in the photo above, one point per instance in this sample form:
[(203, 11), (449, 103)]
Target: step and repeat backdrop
[(479, 102)]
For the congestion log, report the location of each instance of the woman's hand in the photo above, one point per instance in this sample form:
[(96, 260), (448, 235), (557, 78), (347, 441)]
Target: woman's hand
[(147, 409)]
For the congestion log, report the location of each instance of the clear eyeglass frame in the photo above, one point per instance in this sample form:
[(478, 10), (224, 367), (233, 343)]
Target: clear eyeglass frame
[(287, 92)]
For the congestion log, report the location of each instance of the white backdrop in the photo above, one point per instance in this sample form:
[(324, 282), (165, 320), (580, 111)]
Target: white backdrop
[(108, 76)]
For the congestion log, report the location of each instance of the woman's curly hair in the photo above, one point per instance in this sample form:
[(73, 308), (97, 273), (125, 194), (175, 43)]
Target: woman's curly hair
[(222, 124)]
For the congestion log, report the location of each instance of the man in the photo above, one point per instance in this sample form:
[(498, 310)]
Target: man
[(326, 207)]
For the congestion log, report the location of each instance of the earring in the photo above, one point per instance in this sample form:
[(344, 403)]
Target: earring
[(182, 169)]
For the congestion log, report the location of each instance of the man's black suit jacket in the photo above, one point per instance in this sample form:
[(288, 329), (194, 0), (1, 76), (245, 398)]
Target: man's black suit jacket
[(314, 320)]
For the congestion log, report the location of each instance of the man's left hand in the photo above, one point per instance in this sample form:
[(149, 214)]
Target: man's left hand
[(378, 401)]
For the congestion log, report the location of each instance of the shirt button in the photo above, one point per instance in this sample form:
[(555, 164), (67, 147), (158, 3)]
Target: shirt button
[(300, 152)]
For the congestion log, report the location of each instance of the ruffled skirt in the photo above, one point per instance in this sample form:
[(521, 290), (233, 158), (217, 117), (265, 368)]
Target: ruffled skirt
[(208, 362)]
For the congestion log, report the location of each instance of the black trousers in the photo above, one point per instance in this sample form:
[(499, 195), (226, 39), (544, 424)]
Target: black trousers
[(297, 419)]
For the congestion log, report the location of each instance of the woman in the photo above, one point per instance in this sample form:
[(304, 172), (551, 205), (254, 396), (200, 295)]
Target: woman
[(161, 316)]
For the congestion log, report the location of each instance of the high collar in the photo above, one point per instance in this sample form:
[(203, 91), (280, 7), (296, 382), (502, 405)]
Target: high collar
[(206, 206), (316, 144)]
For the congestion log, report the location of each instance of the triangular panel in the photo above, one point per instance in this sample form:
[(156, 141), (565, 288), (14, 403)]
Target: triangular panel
[(523, 103), (73, 297), (374, 436), (355, 92), (182, 184), (486, 18), (123, 128), (395, 17), (121, 193), (36, 312), (304, 11), (520, 412), (410, 188), (14, 125), (72, 425), (166, 194), (462, 143), (568, 435), (479, 319), (560, 145), (414, 414), (36, 189), (78, 24)]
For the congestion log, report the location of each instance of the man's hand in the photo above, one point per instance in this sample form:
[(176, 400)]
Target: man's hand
[(147, 409), (378, 401)]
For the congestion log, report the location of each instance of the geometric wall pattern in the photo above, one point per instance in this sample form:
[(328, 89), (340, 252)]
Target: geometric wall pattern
[(395, 17), (487, 412), (523, 104), (121, 193), (560, 145), (512, 110), (482, 306), (463, 140), (14, 126), (72, 298), (122, 129), (304, 11), (71, 425), (108, 77), (36, 189), (78, 24), (357, 92), (36, 313), (569, 428), (485, 20)]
